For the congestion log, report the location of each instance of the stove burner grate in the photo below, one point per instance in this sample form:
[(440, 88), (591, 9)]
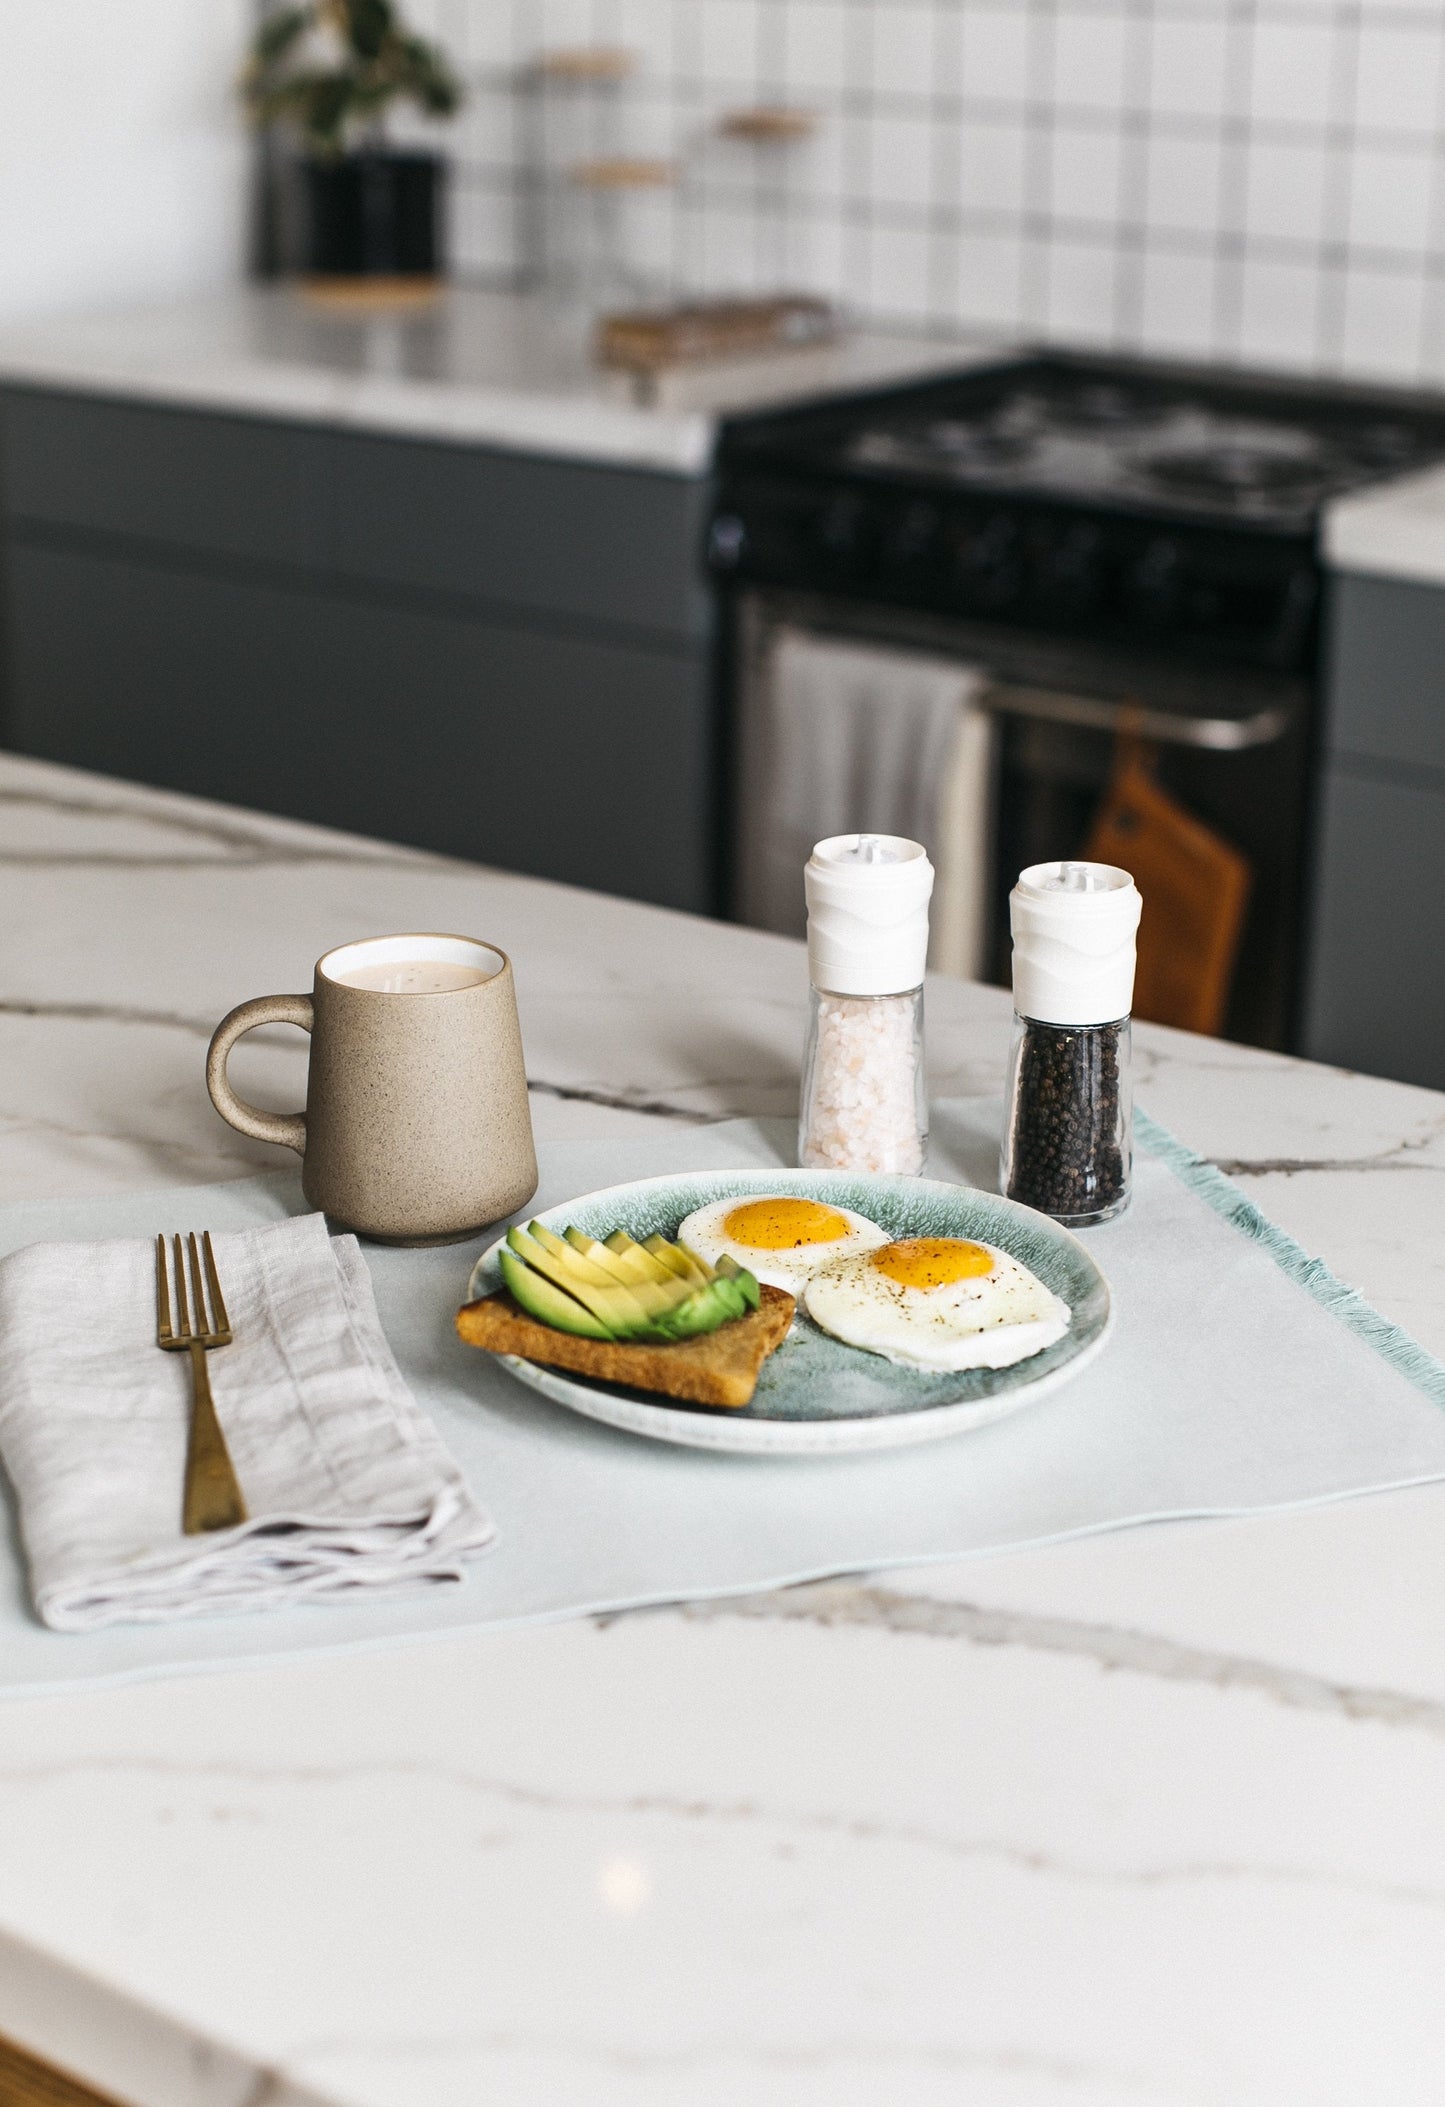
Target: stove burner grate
[(1240, 471), (1101, 406)]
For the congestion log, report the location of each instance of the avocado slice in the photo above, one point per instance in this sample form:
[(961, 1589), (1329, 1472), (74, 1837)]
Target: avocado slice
[(614, 1306), (658, 1291), (548, 1304), (729, 1269), (567, 1255), (678, 1261), (581, 1286), (626, 1262), (706, 1311)]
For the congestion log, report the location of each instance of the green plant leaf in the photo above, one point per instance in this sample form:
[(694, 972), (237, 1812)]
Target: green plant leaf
[(369, 23), (383, 64)]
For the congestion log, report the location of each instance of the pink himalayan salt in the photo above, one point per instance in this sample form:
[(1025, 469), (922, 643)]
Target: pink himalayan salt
[(861, 1108)]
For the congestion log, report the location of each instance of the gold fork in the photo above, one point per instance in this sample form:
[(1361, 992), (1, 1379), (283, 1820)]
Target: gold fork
[(212, 1496)]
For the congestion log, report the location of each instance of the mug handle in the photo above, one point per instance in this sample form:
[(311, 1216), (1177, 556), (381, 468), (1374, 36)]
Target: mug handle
[(287, 1128)]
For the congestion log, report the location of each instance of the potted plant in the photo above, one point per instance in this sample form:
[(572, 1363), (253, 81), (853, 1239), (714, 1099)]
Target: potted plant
[(331, 69)]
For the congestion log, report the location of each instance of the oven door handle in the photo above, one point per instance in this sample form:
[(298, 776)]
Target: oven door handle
[(1102, 713)]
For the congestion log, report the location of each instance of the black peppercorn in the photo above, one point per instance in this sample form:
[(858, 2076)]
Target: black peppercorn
[(1066, 1148), (1068, 1130)]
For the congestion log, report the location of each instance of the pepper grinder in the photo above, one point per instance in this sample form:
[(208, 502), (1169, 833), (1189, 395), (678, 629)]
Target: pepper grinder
[(1068, 1126), (864, 1106)]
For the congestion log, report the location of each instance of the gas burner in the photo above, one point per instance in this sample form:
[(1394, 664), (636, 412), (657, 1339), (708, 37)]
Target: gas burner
[(1239, 472), (978, 445), (1387, 446), (1100, 406), (952, 444)]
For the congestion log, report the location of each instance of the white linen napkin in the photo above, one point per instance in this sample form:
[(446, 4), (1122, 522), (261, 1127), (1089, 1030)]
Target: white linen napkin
[(349, 1487)]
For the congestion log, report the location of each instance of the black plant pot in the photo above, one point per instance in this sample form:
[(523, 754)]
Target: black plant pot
[(374, 214)]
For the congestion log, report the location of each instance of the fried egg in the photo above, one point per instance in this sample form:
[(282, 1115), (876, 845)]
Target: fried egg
[(781, 1241), (937, 1302)]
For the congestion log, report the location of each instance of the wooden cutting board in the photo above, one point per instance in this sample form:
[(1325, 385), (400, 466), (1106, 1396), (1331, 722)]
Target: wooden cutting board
[(1195, 887), (651, 339)]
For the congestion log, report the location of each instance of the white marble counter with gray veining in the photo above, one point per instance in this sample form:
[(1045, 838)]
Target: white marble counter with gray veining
[(1150, 1818), (478, 368)]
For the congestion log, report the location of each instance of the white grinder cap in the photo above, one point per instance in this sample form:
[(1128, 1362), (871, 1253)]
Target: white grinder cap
[(1073, 930), (867, 900)]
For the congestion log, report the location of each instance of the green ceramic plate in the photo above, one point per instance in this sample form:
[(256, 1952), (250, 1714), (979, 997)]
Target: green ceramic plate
[(816, 1396)]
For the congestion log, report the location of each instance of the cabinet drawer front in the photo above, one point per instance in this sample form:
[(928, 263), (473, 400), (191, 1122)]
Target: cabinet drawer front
[(1377, 994), (601, 545), (570, 758), (1386, 661), (234, 487)]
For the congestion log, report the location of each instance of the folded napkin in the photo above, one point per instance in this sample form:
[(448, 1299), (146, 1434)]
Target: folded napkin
[(350, 1487)]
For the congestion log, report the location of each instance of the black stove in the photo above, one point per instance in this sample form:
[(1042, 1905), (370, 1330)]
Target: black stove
[(1144, 504), (1122, 550)]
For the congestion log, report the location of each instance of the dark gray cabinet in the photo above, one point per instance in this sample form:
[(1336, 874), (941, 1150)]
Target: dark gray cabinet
[(498, 656), (1376, 969)]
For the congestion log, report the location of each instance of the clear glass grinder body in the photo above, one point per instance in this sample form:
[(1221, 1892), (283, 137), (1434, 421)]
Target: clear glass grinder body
[(864, 1105), (1068, 1124)]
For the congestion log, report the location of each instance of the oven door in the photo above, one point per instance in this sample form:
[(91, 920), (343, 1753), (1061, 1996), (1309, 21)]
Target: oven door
[(1232, 746)]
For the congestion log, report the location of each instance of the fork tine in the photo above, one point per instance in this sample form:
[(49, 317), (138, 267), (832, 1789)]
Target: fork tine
[(218, 1300), (183, 1314), (198, 1296), (163, 1295)]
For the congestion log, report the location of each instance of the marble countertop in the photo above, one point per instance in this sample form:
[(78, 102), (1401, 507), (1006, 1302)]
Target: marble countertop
[(478, 368), (1152, 1818), (1396, 531)]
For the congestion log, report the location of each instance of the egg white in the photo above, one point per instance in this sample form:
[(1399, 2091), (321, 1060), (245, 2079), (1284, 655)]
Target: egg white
[(991, 1320), (794, 1265)]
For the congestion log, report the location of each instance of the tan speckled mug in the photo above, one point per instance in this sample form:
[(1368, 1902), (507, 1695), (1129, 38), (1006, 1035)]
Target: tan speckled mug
[(417, 1128)]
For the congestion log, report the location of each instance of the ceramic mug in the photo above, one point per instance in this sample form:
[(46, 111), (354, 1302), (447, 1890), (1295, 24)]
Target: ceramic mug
[(417, 1128)]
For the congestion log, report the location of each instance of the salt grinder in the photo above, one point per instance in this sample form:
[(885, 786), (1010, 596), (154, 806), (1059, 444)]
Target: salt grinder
[(864, 1107), (1068, 1126)]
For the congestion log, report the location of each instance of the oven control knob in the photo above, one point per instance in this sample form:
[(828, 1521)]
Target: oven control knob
[(842, 531), (989, 565), (727, 538), (908, 545), (1068, 574), (1156, 583)]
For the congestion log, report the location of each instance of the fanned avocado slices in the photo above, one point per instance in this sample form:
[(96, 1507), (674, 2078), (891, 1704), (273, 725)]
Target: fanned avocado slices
[(619, 1289)]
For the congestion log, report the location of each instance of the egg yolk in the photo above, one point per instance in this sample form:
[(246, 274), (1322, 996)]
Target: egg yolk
[(782, 1225), (933, 1261)]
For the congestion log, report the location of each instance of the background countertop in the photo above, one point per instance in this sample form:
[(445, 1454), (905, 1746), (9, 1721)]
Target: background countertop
[(479, 368), (514, 371), (1151, 1818)]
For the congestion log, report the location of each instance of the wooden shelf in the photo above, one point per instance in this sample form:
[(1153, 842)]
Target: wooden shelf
[(769, 125), (624, 172), (588, 64)]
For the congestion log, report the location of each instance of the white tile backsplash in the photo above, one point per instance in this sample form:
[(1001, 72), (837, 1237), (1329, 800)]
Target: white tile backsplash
[(1085, 174), (1183, 180), (903, 49), (1187, 67), (1090, 50), (1285, 197), (1292, 68), (1398, 78), (992, 165), (1390, 199), (1261, 180), (995, 52)]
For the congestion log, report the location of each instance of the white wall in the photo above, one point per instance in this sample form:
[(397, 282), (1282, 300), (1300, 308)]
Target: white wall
[(122, 157)]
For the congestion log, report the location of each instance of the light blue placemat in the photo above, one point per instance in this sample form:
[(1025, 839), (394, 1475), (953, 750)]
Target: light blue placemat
[(1239, 1378)]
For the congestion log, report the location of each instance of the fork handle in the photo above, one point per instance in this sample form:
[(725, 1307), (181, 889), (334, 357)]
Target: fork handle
[(286, 1128), (212, 1496)]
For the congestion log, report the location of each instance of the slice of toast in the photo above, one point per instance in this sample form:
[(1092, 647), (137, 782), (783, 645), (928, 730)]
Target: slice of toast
[(721, 1368)]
